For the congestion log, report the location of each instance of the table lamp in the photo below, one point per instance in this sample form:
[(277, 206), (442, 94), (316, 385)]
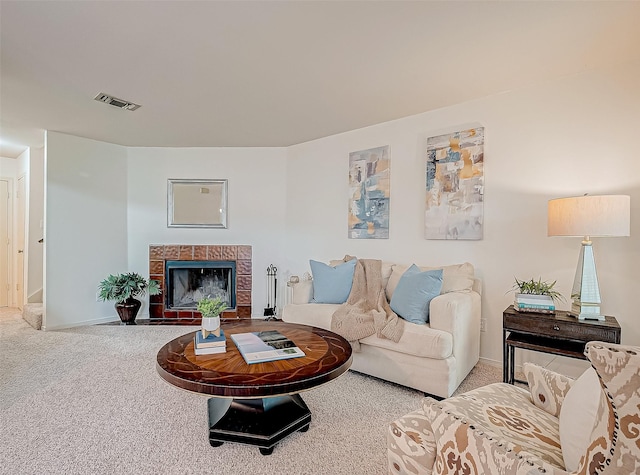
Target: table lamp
[(588, 216)]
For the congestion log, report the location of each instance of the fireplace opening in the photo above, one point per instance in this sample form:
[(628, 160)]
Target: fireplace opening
[(188, 282)]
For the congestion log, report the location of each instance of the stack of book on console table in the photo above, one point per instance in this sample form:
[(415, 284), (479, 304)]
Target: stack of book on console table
[(534, 303), (210, 345)]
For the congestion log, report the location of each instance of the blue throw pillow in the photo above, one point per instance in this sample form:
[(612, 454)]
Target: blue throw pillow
[(414, 293), (332, 284)]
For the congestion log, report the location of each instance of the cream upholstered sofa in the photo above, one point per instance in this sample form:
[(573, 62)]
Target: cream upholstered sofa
[(559, 426), (433, 358)]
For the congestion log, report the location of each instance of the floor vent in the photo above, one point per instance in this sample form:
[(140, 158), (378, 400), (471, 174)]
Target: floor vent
[(114, 101)]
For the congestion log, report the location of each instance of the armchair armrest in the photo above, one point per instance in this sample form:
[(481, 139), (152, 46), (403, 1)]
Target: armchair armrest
[(464, 447), (548, 388), (411, 447), (618, 367)]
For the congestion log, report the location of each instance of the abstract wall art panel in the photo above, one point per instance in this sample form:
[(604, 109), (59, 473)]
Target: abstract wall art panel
[(455, 185), (369, 194)]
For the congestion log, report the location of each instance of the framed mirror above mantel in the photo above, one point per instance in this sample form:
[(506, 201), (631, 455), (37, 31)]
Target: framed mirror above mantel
[(196, 203)]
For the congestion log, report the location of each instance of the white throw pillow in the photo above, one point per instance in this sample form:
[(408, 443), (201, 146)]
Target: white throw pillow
[(455, 278), (578, 417), (302, 292)]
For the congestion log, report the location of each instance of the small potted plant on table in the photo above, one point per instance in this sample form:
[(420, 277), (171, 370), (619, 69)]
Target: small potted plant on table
[(211, 310), (123, 288), (535, 296)]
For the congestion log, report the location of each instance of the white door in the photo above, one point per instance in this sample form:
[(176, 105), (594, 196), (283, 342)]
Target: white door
[(4, 243), (20, 246)]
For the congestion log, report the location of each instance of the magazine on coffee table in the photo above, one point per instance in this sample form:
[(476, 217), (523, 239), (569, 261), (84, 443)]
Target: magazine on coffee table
[(260, 347)]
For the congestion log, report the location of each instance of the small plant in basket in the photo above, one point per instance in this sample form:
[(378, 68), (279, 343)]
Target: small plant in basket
[(536, 295)]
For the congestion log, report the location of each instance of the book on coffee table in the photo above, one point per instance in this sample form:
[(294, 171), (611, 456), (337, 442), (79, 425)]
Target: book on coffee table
[(209, 346), (209, 351), (260, 347), (210, 341)]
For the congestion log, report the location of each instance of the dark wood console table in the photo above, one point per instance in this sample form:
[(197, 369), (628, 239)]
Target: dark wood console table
[(558, 334)]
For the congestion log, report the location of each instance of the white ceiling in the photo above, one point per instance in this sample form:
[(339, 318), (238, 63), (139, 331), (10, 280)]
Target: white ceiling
[(269, 73)]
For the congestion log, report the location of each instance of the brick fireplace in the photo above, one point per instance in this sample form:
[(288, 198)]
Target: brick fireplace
[(240, 256)]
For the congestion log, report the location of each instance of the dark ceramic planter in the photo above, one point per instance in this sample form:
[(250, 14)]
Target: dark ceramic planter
[(128, 311)]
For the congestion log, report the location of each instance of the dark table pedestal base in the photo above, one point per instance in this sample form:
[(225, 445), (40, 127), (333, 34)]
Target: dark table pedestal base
[(260, 422)]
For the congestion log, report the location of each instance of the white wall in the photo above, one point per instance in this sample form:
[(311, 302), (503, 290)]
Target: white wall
[(256, 212), (8, 167), (562, 138), (36, 221), (22, 163), (85, 227)]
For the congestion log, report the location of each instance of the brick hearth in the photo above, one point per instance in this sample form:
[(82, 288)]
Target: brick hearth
[(241, 255)]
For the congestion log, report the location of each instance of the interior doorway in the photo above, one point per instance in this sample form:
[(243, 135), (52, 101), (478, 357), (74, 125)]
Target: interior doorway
[(5, 229)]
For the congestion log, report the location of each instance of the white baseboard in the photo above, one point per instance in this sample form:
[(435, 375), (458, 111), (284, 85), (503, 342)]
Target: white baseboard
[(81, 324), (494, 363)]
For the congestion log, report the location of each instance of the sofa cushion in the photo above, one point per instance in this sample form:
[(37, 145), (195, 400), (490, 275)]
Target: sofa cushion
[(578, 417), (414, 293), (455, 278), (417, 340), (332, 284)]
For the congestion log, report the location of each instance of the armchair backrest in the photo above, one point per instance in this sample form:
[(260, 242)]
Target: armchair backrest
[(615, 441)]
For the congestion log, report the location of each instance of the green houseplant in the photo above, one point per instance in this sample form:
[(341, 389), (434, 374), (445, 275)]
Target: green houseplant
[(211, 308), (123, 288)]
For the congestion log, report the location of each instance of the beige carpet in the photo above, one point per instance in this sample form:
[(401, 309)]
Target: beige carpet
[(89, 401)]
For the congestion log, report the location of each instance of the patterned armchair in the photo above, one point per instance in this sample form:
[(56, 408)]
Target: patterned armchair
[(503, 429)]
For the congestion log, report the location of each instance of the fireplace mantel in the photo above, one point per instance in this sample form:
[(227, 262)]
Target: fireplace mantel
[(241, 255)]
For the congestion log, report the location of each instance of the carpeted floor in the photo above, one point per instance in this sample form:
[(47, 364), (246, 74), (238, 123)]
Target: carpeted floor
[(88, 400)]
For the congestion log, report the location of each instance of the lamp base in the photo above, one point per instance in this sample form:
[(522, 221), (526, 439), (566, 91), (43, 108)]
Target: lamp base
[(586, 311), (586, 291)]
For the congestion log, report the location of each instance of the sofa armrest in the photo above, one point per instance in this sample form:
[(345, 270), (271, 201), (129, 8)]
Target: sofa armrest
[(453, 312), (301, 292), (548, 388), (411, 447), (458, 313)]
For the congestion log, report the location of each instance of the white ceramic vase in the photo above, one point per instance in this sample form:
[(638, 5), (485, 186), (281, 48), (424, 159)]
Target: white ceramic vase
[(210, 325)]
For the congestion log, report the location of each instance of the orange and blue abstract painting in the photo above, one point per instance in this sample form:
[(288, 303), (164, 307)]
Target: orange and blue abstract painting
[(455, 185), (369, 194)]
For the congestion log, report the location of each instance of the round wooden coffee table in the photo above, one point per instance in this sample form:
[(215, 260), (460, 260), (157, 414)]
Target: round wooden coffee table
[(256, 404)]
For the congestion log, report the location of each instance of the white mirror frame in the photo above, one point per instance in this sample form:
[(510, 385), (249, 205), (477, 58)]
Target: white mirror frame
[(187, 209)]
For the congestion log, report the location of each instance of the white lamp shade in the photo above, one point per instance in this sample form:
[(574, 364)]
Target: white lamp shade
[(604, 215)]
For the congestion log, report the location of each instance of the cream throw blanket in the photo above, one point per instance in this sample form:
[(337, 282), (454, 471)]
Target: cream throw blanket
[(366, 311)]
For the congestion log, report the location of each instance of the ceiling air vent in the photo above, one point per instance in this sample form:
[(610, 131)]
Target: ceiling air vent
[(114, 101)]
